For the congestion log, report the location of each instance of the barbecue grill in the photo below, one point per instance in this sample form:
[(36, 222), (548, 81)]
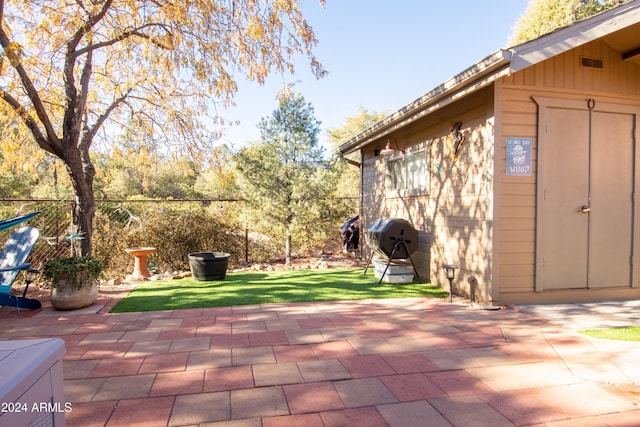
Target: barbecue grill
[(392, 239)]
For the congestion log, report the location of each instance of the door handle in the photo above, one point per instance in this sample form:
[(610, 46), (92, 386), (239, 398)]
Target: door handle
[(584, 209)]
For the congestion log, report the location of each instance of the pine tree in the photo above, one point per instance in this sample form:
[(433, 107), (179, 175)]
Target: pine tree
[(283, 177)]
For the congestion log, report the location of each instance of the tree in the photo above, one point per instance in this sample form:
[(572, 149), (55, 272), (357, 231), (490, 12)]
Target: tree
[(218, 179), (544, 16), (353, 125), (283, 176), (75, 74), (348, 185)]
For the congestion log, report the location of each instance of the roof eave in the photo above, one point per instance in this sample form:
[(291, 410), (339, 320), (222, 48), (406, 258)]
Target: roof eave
[(493, 63), (503, 62), (574, 35)]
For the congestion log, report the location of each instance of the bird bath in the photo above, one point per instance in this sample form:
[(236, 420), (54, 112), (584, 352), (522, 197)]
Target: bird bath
[(140, 269)]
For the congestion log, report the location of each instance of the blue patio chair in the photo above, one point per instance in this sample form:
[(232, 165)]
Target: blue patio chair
[(12, 261)]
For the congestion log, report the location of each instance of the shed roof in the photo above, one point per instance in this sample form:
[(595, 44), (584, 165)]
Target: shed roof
[(619, 27)]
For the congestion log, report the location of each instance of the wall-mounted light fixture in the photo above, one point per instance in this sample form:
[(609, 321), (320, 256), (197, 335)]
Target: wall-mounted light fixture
[(389, 150)]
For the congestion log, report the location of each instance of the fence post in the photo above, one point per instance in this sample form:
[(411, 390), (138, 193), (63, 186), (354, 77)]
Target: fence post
[(246, 245)]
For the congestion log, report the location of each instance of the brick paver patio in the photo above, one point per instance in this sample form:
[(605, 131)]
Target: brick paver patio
[(404, 362)]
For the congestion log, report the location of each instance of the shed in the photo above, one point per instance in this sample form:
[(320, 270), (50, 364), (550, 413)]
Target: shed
[(522, 169)]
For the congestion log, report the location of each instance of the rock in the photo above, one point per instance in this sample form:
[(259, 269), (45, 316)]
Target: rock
[(115, 282)]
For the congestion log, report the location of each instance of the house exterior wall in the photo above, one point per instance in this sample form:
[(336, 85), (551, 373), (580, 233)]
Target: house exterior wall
[(455, 219), (563, 77), (475, 215)]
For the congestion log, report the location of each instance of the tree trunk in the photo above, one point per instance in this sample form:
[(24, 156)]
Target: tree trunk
[(81, 174), (287, 246)]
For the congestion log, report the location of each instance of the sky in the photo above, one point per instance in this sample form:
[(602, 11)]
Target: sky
[(380, 55)]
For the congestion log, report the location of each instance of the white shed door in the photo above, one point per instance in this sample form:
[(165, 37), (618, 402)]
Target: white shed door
[(585, 212)]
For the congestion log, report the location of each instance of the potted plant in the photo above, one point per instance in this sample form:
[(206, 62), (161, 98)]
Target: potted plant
[(74, 281)]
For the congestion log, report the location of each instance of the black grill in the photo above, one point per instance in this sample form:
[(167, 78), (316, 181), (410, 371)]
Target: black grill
[(392, 239)]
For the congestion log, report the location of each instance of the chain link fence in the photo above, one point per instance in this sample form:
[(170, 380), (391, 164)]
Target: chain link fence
[(53, 222), (174, 227)]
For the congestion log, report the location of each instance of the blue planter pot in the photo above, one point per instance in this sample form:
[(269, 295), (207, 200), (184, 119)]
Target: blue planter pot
[(208, 266)]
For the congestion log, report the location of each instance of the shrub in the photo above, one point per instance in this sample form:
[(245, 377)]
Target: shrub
[(174, 231), (70, 267)]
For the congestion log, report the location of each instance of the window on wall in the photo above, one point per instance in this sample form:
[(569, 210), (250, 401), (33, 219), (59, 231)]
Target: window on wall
[(408, 174)]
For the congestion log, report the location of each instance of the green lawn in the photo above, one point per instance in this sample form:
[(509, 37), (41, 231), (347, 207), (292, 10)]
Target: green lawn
[(268, 287), (631, 333)]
